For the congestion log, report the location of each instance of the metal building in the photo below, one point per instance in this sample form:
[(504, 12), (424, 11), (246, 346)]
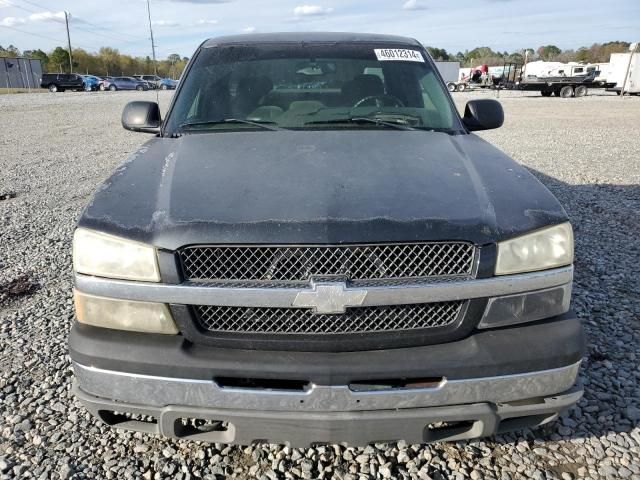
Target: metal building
[(18, 72)]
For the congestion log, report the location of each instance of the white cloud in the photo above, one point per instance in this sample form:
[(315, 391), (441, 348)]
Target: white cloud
[(311, 10), (248, 29), (206, 22), (47, 16), (413, 5), (11, 21), (165, 23)]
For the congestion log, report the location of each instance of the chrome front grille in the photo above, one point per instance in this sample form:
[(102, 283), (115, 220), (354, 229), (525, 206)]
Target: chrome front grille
[(267, 320), (300, 263)]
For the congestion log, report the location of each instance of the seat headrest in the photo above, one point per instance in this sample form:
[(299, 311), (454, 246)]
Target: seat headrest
[(363, 85), (255, 86)]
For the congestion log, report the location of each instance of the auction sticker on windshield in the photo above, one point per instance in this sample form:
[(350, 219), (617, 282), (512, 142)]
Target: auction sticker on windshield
[(398, 54)]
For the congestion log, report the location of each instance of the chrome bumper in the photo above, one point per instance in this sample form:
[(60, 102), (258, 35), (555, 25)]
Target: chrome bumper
[(326, 414), (162, 391)]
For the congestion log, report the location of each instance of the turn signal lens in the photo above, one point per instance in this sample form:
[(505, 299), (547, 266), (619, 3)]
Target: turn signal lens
[(128, 315)]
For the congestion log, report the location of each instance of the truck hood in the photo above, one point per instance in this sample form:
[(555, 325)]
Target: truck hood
[(324, 187)]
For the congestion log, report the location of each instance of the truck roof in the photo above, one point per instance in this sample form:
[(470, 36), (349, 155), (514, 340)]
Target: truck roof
[(311, 37)]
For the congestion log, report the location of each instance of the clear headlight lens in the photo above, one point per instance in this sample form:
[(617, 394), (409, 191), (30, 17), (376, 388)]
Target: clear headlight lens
[(539, 250), (128, 315), (105, 255)]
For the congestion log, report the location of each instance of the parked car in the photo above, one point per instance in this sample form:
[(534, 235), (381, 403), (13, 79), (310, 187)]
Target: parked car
[(105, 81), (152, 80), (167, 84), (59, 82), (125, 83), (344, 263), (91, 82)]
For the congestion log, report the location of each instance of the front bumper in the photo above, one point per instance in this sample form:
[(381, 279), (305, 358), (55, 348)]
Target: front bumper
[(492, 381), (303, 429)]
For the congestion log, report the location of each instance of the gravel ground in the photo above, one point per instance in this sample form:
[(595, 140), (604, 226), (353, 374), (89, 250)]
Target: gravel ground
[(57, 148)]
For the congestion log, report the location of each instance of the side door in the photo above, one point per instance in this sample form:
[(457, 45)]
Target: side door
[(127, 83), (64, 80), (77, 80)]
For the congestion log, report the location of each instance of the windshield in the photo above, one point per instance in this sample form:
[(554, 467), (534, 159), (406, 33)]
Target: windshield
[(311, 86)]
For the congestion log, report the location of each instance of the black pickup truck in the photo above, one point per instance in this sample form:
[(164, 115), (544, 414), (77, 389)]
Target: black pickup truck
[(313, 248)]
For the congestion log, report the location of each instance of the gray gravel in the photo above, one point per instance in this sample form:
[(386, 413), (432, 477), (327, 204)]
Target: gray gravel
[(56, 148)]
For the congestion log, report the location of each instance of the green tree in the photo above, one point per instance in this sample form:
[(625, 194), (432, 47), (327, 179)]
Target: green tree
[(109, 60), (39, 55), (438, 54), (10, 51), (583, 55), (515, 57), (549, 52), (59, 60)]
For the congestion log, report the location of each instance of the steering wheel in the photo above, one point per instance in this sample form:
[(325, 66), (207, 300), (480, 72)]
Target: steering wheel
[(380, 101)]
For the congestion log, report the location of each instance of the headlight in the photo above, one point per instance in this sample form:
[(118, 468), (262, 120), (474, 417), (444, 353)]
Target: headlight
[(104, 312), (546, 248), (104, 255)]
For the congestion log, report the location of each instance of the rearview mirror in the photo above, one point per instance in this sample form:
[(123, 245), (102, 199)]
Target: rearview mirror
[(483, 114), (141, 116)]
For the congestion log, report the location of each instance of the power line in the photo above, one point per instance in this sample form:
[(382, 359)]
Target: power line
[(136, 37), (101, 27), (114, 36), (57, 40), (104, 35), (31, 33)]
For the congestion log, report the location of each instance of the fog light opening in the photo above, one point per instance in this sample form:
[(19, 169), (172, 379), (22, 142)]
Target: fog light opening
[(442, 431)]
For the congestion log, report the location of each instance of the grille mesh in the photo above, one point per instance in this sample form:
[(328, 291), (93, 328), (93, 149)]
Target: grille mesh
[(304, 321), (356, 262)]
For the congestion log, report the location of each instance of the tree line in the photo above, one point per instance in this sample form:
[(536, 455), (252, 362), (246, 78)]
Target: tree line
[(596, 53), (109, 61), (106, 61)]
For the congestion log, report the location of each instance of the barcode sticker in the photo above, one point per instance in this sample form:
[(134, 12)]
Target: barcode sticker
[(398, 55)]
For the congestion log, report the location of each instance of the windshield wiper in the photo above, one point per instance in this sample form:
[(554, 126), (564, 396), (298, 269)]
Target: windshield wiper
[(266, 125), (399, 125)]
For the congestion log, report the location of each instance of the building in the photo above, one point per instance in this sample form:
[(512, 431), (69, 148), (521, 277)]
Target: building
[(19, 72)]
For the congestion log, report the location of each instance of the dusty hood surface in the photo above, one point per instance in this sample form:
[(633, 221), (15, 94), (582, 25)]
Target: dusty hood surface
[(320, 187)]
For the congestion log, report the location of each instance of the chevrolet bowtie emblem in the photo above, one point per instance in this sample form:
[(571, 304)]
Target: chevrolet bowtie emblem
[(330, 297)]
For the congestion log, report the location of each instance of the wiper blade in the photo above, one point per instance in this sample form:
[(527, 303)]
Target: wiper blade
[(265, 125), (376, 121)]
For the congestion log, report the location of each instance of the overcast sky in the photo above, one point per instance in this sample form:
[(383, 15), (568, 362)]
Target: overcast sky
[(180, 25)]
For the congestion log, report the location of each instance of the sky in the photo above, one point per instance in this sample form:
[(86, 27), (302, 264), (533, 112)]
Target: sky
[(181, 25)]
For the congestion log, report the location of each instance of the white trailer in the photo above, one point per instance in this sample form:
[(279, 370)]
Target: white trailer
[(448, 72), (541, 69), (618, 66)]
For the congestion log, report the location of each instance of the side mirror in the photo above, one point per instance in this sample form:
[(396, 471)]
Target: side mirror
[(483, 114), (142, 116)]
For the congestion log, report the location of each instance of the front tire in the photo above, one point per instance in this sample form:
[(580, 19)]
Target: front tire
[(113, 88), (139, 88), (546, 93), (164, 87), (53, 88)]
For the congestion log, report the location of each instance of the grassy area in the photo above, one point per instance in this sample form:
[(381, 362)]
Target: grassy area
[(22, 90)]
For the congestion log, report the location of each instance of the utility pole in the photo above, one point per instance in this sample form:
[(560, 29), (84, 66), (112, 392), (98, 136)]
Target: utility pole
[(66, 21), (153, 50), (153, 45)]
